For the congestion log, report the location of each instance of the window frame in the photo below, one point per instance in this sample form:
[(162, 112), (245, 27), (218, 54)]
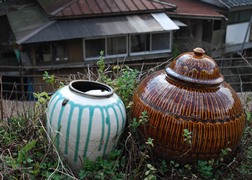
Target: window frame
[(138, 53), (51, 50), (116, 55), (151, 48), (164, 50), (237, 14), (105, 55), (128, 46), (65, 59), (84, 48)]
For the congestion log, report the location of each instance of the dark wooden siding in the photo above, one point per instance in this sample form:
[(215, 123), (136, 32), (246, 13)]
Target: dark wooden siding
[(75, 50)]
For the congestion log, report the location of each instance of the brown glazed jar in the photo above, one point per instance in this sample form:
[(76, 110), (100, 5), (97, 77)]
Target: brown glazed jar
[(190, 93)]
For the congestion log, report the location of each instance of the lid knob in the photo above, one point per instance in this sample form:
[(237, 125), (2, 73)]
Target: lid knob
[(198, 52)]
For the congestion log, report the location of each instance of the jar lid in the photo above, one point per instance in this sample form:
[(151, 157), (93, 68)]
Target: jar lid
[(195, 67)]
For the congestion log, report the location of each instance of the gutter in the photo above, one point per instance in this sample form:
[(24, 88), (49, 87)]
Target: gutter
[(196, 16)]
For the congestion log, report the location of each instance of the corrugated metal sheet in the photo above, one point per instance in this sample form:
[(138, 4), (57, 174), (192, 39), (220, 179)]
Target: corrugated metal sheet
[(26, 20), (54, 6), (11, 6), (106, 26), (179, 23), (236, 3), (165, 21), (84, 8)]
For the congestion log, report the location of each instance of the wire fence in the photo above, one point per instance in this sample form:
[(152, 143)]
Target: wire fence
[(19, 82)]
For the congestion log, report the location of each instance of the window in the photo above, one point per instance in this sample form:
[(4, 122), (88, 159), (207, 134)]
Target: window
[(59, 52), (43, 53), (160, 41), (112, 47), (116, 45), (140, 43), (239, 16), (93, 47), (51, 51), (217, 25), (150, 43)]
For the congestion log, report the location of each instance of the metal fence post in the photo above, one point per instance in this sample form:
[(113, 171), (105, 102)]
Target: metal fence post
[(1, 97)]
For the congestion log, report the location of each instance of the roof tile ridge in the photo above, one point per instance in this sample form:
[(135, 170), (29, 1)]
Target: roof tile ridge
[(100, 8), (144, 4), (63, 7), (225, 4), (89, 6), (126, 5), (164, 3), (134, 4), (117, 5)]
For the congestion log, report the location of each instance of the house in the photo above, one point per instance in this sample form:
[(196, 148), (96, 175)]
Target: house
[(67, 35), (238, 36), (204, 26), (78, 30)]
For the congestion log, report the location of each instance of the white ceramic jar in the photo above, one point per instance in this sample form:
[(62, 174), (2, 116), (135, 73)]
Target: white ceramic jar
[(85, 119)]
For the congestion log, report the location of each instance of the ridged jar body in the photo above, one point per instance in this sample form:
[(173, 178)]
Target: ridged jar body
[(189, 94), (214, 116), (84, 126)]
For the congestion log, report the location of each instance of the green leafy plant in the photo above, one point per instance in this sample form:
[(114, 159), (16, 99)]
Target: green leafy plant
[(50, 79), (205, 169), (42, 98), (23, 153), (187, 136), (150, 173), (143, 119), (124, 81), (108, 167)]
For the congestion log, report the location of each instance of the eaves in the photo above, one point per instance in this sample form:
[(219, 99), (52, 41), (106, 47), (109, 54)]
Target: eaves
[(196, 16)]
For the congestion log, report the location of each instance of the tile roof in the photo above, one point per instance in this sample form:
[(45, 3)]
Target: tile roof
[(16, 5), (192, 8), (87, 8), (103, 26), (236, 3), (52, 7)]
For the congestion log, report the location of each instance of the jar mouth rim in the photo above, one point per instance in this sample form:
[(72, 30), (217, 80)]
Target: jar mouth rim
[(186, 79), (91, 88)]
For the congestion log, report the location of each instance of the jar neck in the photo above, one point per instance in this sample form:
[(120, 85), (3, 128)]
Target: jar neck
[(91, 88), (192, 82)]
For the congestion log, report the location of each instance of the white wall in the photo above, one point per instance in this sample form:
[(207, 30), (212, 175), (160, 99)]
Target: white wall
[(236, 32)]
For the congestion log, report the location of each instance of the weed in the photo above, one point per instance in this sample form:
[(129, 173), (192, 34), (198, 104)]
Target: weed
[(150, 172), (123, 83), (104, 168), (205, 169), (187, 136), (143, 119)]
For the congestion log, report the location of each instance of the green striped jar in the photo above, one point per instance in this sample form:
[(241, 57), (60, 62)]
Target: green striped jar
[(85, 119)]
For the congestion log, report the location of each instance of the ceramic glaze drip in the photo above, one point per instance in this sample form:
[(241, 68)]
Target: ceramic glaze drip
[(84, 129)]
